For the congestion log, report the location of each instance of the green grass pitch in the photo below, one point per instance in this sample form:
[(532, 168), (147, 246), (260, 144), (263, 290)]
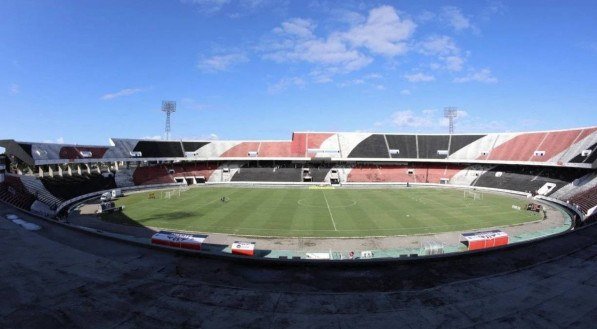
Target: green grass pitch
[(302, 212)]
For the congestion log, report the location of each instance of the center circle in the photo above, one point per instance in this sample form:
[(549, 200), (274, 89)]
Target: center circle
[(315, 204)]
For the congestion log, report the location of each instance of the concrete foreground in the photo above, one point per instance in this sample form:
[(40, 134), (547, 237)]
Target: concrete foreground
[(60, 278)]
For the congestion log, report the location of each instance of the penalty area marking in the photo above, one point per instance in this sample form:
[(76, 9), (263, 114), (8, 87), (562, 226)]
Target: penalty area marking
[(330, 211)]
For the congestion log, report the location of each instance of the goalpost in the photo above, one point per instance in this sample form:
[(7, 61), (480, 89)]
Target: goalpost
[(173, 193), (473, 195)]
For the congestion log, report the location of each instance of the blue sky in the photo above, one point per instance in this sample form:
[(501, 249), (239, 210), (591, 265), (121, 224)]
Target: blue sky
[(84, 71)]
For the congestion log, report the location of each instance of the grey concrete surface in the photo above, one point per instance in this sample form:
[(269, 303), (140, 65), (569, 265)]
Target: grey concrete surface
[(60, 278)]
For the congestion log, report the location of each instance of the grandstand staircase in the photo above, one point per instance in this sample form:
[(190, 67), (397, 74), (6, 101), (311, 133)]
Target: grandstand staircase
[(124, 178), (35, 187)]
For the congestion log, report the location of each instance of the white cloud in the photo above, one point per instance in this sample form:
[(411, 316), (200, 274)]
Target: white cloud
[(284, 84), (445, 50), (419, 77), (454, 17), (454, 63), (405, 92), (122, 93), (221, 62), (483, 75), (439, 45), (59, 140), (154, 137), (412, 119), (299, 27), (207, 6), (383, 33), (14, 89)]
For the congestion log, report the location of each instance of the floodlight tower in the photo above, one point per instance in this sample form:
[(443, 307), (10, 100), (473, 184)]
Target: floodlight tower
[(450, 113), (168, 107)]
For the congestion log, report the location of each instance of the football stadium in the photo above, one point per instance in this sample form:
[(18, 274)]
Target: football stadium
[(417, 194), (335, 205), (313, 170)]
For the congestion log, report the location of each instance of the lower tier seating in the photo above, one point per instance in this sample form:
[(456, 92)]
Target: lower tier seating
[(14, 192), (268, 174), (68, 187), (527, 179), (585, 200), (152, 175), (413, 173)]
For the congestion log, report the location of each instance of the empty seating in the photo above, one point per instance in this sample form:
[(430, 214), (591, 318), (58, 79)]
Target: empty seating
[(373, 146), (412, 173), (14, 192), (433, 146), (458, 142), (194, 170), (241, 150), (527, 178), (403, 146), (586, 199), (152, 175), (69, 187), (519, 148), (268, 174), (159, 149), (276, 150)]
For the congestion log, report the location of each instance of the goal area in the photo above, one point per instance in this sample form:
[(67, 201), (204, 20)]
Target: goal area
[(473, 195)]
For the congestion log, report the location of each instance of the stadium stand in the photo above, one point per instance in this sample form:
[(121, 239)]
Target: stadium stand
[(592, 157), (404, 146), (242, 150), (193, 146), (275, 173), (519, 148), (528, 178), (374, 146), (433, 146), (159, 149), (411, 173), (152, 175), (276, 150), (557, 141), (458, 142), (586, 200), (199, 172), (68, 187), (14, 192), (81, 152)]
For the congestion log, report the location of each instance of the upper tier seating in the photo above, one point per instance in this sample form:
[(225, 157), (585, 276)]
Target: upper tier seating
[(241, 150), (155, 149), (373, 146), (457, 142), (556, 142), (68, 187), (276, 149), (405, 145), (586, 159), (526, 178), (429, 145)]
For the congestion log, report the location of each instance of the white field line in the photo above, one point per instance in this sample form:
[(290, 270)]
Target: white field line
[(330, 211)]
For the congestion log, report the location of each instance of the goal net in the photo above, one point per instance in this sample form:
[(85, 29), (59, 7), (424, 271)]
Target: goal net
[(473, 195)]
